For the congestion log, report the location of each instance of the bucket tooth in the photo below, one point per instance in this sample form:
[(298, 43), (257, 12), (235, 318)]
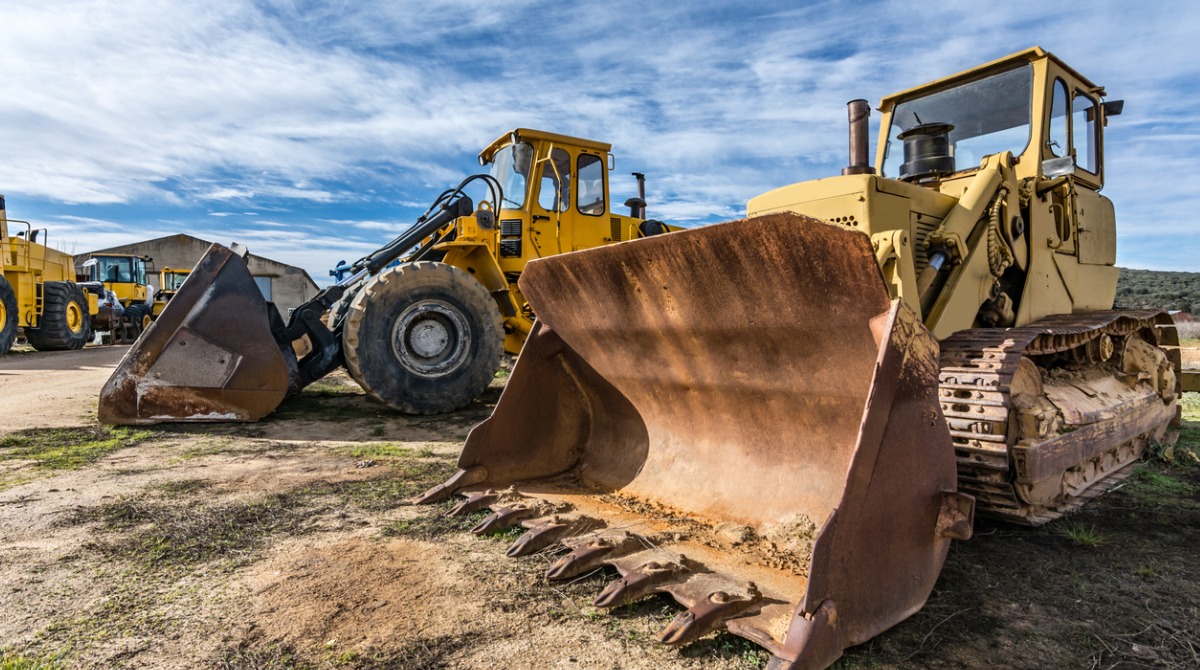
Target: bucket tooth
[(537, 538), (462, 478), (474, 502), (502, 518), (546, 534), (640, 583), (592, 554), (708, 614)]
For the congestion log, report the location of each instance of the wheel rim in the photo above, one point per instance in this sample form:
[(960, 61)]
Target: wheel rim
[(74, 317), (146, 321), (431, 338)]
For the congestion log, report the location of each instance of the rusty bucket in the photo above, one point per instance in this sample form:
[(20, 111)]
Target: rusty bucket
[(738, 416), (210, 355)]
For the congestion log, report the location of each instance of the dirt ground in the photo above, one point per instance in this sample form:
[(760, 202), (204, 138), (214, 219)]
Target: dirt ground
[(291, 544)]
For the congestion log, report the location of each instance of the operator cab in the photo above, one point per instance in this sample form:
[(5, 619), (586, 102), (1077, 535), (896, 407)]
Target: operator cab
[(555, 196), (950, 126)]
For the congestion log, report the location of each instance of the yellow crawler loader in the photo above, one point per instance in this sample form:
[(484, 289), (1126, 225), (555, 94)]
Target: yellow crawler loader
[(37, 292), (782, 421), (422, 336)]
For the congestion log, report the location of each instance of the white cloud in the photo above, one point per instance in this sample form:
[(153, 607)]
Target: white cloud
[(373, 108)]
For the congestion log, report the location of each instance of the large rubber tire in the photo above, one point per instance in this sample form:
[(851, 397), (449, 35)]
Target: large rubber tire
[(423, 338), (337, 313), (65, 323), (8, 316), (139, 315)]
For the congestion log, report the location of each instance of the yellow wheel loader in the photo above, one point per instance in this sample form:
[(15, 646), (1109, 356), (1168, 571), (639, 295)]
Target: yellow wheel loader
[(422, 336), (38, 294), (782, 421), (169, 281), (122, 278)]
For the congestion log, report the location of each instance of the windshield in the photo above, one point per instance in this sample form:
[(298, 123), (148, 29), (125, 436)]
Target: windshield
[(173, 280), (989, 115), (118, 270), (510, 167)]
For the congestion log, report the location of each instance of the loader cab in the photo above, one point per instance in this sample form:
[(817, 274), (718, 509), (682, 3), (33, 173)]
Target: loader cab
[(555, 199), (123, 274), (556, 196)]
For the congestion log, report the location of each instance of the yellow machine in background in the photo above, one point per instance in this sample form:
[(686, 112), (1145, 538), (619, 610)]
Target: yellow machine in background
[(420, 324), (767, 418), (169, 281), (125, 277), (37, 292)]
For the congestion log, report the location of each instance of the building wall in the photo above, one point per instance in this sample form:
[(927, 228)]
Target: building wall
[(290, 286)]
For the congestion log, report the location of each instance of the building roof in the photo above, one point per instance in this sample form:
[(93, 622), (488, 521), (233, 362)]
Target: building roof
[(185, 240)]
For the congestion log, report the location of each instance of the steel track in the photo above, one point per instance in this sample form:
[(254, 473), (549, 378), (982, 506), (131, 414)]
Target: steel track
[(977, 369)]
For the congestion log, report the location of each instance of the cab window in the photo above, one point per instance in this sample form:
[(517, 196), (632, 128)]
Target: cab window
[(1060, 110), (510, 167), (1085, 133), (118, 270), (590, 189), (554, 194)]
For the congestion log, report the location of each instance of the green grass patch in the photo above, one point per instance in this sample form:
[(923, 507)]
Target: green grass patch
[(1155, 484), (745, 654), (272, 657), (1161, 484), (25, 453), (420, 654), (159, 531), (1082, 535), (1146, 572), (208, 449), (68, 448), (14, 661), (169, 535), (384, 450), (435, 524), (181, 487), (378, 495), (131, 608)]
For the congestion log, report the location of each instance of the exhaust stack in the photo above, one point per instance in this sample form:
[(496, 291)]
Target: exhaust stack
[(860, 114), (637, 206)]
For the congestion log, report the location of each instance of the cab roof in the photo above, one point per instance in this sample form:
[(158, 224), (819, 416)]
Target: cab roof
[(531, 134), (1030, 55)]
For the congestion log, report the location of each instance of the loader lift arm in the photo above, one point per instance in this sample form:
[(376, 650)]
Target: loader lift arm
[(326, 354)]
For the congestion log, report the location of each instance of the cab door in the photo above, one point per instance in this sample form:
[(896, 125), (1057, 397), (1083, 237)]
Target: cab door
[(551, 216), (593, 225)]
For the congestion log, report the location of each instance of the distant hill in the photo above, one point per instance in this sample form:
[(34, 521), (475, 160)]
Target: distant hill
[(1151, 289)]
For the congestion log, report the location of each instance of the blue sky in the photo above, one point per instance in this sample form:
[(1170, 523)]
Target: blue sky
[(315, 131)]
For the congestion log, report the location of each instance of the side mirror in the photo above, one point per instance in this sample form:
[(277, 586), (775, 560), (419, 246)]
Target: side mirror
[(1114, 108), (1058, 167)]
